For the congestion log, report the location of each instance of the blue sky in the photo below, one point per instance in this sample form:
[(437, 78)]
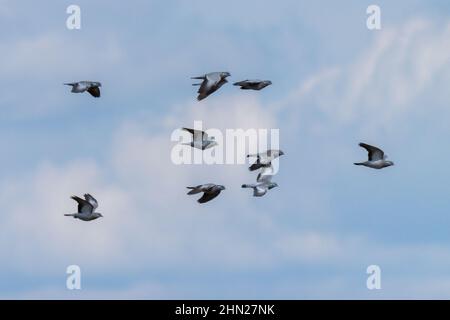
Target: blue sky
[(335, 84)]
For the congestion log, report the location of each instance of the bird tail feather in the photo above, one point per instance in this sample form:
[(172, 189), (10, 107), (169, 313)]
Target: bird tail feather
[(194, 190), (358, 164)]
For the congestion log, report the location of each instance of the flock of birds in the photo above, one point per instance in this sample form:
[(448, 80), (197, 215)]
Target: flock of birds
[(211, 82)]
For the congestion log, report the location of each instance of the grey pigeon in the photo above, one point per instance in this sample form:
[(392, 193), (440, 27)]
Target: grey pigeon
[(211, 83), (200, 139), (86, 208), (263, 185), (90, 86), (264, 159), (210, 191), (253, 84), (377, 158)]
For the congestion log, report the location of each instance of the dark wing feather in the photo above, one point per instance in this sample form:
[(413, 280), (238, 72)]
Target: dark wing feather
[(91, 200), (83, 205), (94, 91), (189, 130), (207, 196), (197, 134), (374, 152), (204, 90)]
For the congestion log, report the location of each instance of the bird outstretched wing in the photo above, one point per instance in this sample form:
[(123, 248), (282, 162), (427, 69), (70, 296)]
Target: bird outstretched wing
[(83, 205), (205, 89), (198, 135), (94, 91), (374, 153), (91, 200), (209, 195)]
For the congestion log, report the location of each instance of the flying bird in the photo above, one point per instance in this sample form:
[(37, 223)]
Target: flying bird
[(200, 139), (263, 185), (86, 208), (210, 191), (253, 84), (264, 159), (377, 158), (211, 83), (90, 86)]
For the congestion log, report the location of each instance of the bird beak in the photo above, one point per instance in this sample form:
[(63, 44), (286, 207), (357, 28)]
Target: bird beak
[(281, 153)]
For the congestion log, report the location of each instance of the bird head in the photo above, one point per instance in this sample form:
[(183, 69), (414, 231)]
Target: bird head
[(267, 82), (280, 153), (389, 163), (221, 187), (98, 215), (223, 75)]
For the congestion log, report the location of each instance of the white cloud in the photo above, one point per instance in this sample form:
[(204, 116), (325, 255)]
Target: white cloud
[(380, 87)]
